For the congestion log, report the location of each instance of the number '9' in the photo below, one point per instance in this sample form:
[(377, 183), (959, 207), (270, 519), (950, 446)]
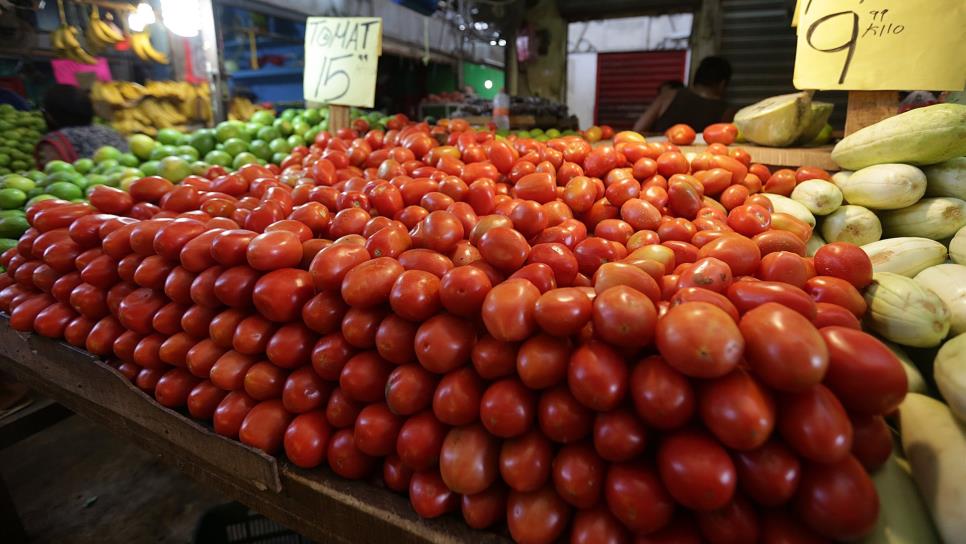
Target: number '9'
[(850, 44)]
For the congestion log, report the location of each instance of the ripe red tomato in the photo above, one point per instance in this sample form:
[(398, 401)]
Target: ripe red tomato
[(345, 459), (456, 400), (597, 376), (680, 134), (697, 471), (306, 439), (699, 340), (836, 291), (624, 317), (537, 517), (429, 495), (735, 523), (769, 474), (231, 412), (468, 460), (444, 343), (507, 408), (370, 283), (508, 310), (486, 508), (815, 425), (280, 294), (542, 361), (737, 410), (376, 429), (741, 254), (749, 294), (783, 348), (636, 497), (837, 500), (864, 374), (578, 475)]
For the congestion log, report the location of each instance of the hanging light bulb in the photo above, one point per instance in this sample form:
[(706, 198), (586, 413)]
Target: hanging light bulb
[(141, 17), (182, 17)]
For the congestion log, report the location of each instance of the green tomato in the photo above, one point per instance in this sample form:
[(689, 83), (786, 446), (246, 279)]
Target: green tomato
[(203, 140), (12, 198), (268, 134), (188, 151), (260, 149), (218, 157), (150, 168), (170, 136), (242, 159), (13, 226), (84, 165), (234, 146), (106, 152), (57, 166), (64, 190), (15, 181)]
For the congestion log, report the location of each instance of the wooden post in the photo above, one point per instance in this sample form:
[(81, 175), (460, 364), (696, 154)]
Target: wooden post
[(338, 117), (869, 107)]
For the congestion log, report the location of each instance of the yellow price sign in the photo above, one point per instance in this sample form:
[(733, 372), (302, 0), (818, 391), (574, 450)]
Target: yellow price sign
[(883, 45), (341, 58)]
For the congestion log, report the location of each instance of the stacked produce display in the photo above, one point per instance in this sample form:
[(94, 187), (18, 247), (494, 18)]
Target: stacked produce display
[(614, 342), (19, 133), (131, 108)]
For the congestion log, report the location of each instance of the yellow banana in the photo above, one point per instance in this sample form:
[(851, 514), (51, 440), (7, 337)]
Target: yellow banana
[(69, 36)]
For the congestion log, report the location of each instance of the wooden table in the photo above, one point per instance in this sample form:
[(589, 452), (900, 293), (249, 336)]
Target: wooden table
[(316, 503)]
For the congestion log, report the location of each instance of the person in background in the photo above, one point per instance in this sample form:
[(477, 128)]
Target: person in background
[(700, 105), (69, 114), (669, 86)]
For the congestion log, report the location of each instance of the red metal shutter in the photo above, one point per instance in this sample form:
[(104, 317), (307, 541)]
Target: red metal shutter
[(627, 83)]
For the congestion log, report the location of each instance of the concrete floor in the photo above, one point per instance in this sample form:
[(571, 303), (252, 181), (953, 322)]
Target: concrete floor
[(75, 482)]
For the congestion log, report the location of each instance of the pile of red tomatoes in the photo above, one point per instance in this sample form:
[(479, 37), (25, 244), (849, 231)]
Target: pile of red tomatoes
[(615, 343)]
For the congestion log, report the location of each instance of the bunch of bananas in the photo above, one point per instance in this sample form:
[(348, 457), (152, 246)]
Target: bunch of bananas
[(156, 104), (66, 45), (241, 109), (102, 34), (141, 45)]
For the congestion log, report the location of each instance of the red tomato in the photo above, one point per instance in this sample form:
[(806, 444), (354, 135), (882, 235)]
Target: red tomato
[(837, 500), (836, 291), (784, 349), (662, 396), (486, 508), (769, 474), (636, 497), (468, 459), (578, 475), (738, 410), (597, 376), (864, 374), (420, 441), (680, 134), (734, 524), (741, 254), (563, 311), (376, 429), (508, 310), (275, 249), (845, 261), (280, 294), (429, 495), (815, 425), (697, 471), (306, 439), (720, 133), (444, 343), (231, 412), (699, 339), (536, 517), (779, 527), (747, 295), (507, 408), (364, 377), (345, 459)]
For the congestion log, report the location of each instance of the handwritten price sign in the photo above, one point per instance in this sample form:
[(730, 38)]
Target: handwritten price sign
[(341, 57), (881, 45)]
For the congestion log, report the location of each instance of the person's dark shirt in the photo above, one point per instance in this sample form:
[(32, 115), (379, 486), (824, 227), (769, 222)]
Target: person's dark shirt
[(692, 109)]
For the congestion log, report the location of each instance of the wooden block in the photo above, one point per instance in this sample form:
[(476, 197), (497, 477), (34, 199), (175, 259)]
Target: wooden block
[(868, 108), (338, 117)]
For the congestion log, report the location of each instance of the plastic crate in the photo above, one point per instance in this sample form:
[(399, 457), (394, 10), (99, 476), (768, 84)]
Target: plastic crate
[(234, 523)]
